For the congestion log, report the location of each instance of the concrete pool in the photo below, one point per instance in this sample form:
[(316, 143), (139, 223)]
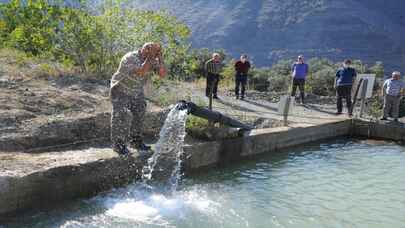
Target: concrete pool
[(36, 181), (336, 183)]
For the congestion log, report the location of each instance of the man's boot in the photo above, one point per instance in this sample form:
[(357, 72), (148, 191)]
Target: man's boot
[(120, 148), (137, 143)]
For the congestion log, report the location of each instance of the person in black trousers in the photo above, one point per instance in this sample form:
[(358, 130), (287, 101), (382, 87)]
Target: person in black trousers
[(299, 72), (345, 77), (242, 67), (213, 68)]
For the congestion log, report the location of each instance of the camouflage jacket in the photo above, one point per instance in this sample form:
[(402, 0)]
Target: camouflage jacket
[(125, 77)]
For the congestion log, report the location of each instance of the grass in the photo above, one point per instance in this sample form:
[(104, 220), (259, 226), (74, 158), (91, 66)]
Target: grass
[(20, 66), (375, 108)]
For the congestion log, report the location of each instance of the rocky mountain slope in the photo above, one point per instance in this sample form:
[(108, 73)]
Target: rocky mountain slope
[(268, 30)]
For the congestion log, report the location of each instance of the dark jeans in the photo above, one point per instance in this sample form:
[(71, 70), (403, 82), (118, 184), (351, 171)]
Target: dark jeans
[(127, 116), (391, 106), (240, 80), (212, 84), (344, 91), (300, 83)]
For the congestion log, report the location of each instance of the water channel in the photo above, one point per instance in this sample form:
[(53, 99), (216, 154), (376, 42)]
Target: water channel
[(338, 183)]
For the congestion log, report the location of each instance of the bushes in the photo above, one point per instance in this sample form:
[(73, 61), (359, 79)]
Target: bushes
[(276, 79), (259, 79), (322, 82), (94, 43), (320, 79)]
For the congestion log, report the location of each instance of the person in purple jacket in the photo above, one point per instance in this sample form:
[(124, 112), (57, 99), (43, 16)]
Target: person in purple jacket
[(299, 73)]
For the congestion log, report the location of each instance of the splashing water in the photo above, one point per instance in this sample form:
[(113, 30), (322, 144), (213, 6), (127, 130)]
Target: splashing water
[(165, 163)]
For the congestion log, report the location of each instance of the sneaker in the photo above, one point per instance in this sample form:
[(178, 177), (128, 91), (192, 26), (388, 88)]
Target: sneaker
[(338, 113), (384, 118), (242, 98), (138, 144), (215, 97), (120, 149), (144, 154), (143, 147), (237, 97)]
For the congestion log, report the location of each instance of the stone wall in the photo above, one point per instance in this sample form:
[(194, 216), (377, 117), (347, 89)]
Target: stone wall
[(73, 131)]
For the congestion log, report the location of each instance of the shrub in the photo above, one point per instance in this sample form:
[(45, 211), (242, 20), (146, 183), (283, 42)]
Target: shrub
[(259, 79), (196, 127), (322, 82), (375, 105), (94, 43)]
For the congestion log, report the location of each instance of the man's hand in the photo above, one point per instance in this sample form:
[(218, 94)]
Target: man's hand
[(145, 68), (152, 52), (162, 71)]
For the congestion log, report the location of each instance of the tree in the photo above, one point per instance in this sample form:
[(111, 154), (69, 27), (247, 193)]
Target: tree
[(94, 42), (29, 26), (378, 70)]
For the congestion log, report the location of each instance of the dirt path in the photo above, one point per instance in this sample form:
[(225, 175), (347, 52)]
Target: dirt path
[(312, 112)]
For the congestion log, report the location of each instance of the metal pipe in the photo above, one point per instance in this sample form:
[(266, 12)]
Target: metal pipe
[(213, 116)]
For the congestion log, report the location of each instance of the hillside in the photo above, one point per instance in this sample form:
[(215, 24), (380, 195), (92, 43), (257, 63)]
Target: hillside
[(269, 30)]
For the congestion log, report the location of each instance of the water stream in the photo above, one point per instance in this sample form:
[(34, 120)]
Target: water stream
[(164, 166)]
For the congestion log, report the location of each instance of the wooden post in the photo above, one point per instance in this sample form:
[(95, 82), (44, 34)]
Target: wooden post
[(363, 96), (210, 123), (210, 100)]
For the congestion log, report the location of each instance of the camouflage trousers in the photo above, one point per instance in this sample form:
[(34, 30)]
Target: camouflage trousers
[(127, 116)]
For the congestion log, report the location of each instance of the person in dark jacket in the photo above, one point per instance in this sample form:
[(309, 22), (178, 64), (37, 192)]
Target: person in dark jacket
[(299, 72), (242, 67), (345, 77), (213, 68)]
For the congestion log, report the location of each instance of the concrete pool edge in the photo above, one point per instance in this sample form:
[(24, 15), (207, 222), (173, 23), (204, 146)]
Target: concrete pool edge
[(261, 141), (48, 186)]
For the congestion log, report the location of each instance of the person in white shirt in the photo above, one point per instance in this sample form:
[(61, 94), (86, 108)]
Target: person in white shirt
[(392, 95)]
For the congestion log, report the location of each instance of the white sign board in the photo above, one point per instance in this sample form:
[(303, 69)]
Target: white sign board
[(283, 102), (370, 84)]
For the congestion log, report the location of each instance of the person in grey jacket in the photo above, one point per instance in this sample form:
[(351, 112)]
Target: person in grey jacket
[(392, 95)]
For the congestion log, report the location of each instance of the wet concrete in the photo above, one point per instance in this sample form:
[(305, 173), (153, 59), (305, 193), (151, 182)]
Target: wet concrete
[(39, 180)]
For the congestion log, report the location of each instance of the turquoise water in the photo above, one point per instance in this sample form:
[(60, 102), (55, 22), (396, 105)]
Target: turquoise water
[(339, 183)]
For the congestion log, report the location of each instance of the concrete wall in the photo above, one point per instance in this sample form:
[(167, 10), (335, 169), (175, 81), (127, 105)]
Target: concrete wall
[(46, 187), (260, 141), (387, 131)]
